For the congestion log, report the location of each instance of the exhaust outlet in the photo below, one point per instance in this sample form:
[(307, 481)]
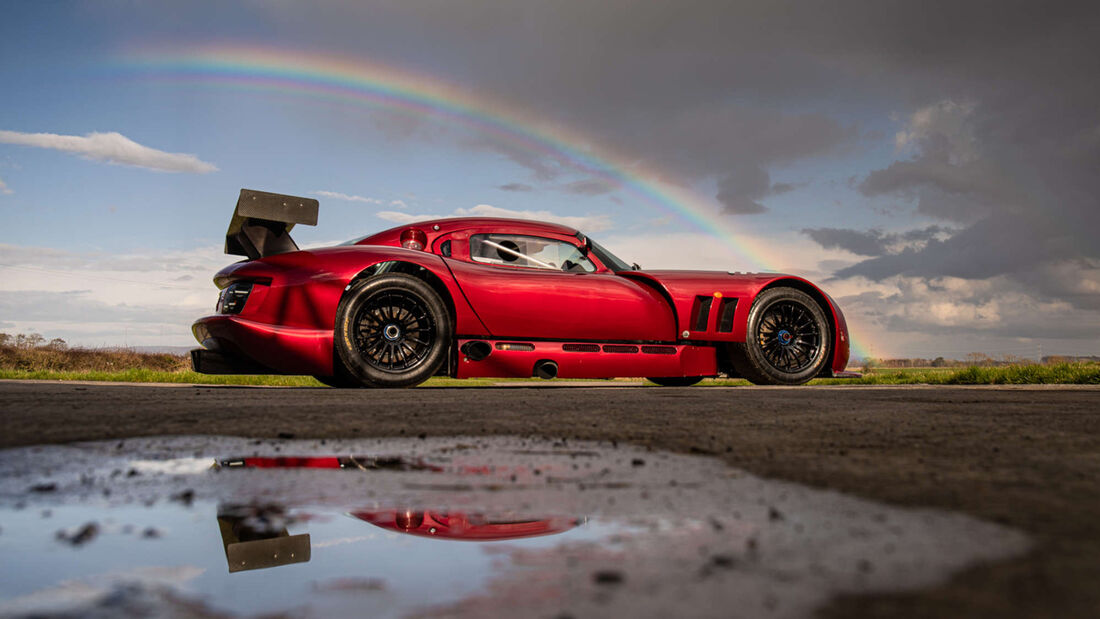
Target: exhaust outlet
[(546, 369), (476, 351)]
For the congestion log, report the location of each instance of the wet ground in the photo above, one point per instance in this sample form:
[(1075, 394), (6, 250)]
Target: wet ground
[(446, 527), (1021, 458)]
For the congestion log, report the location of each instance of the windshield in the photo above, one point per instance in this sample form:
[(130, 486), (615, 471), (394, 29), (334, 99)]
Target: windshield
[(609, 259)]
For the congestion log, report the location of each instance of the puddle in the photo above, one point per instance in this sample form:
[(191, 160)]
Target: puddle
[(202, 526)]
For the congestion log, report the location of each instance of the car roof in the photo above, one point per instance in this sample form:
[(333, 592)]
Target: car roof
[(452, 224)]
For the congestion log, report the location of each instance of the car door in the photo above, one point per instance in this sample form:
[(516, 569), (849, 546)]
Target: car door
[(529, 286)]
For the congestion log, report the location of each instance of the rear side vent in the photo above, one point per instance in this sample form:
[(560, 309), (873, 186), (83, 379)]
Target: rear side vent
[(659, 350), (725, 315), (700, 313), (620, 348), (580, 347)]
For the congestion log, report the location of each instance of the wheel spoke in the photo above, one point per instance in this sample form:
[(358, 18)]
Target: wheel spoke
[(789, 336), (394, 331)]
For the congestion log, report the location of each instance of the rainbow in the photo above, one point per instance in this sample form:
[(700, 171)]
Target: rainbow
[(366, 82)]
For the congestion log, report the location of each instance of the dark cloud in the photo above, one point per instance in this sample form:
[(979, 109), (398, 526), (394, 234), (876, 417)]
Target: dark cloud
[(516, 187), (872, 242), (590, 187), (998, 104), (741, 188), (782, 188)]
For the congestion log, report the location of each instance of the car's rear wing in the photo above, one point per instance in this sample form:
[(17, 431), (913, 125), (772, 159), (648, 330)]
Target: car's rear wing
[(262, 221)]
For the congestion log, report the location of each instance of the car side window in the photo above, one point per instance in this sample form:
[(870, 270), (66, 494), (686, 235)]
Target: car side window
[(529, 251)]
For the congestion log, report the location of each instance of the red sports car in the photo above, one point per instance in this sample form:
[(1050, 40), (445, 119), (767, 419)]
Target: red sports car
[(484, 297)]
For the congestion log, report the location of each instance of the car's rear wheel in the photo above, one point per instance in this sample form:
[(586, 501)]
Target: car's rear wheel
[(392, 331), (788, 339), (675, 381)]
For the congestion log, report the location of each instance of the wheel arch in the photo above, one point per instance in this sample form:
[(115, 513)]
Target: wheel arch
[(408, 268), (420, 272), (826, 306)]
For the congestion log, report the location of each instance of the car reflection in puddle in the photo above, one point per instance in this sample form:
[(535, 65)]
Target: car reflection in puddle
[(256, 536), (215, 526)]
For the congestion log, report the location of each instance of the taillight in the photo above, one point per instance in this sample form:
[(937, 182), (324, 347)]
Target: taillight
[(233, 297), (414, 239)]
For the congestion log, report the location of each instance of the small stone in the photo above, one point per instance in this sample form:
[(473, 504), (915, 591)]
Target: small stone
[(608, 577), (186, 497), (82, 536)]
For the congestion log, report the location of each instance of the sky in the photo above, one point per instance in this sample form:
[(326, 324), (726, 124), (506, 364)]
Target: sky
[(934, 166)]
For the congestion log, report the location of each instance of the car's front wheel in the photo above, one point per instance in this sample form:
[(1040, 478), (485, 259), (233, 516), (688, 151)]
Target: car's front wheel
[(392, 331), (788, 339)]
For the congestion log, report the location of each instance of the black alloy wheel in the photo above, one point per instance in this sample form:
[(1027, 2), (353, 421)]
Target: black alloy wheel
[(788, 341), (392, 331)]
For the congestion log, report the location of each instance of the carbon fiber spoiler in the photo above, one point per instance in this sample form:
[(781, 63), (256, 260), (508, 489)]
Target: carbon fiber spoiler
[(262, 221)]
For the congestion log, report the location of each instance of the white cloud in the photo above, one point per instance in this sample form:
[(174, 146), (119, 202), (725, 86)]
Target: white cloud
[(587, 223), (398, 203), (406, 218), (111, 147), (4, 188), (96, 298), (335, 195)]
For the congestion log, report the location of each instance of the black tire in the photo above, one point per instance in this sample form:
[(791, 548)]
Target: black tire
[(788, 342), (676, 381), (392, 331)]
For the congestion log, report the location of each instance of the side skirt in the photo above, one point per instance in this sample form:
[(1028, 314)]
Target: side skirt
[(519, 358)]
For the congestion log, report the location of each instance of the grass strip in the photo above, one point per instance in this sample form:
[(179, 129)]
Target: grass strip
[(1057, 374)]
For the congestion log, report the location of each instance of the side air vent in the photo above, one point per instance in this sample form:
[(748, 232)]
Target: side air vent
[(620, 348), (580, 347), (515, 346), (700, 313), (725, 315), (659, 350)]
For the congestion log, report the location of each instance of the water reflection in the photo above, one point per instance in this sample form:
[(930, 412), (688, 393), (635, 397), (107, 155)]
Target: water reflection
[(469, 527), (361, 463), (165, 526), (256, 537)]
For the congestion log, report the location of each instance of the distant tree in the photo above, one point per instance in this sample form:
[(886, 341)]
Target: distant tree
[(939, 362), (32, 340), (5, 339), (57, 344), (869, 364), (977, 358)]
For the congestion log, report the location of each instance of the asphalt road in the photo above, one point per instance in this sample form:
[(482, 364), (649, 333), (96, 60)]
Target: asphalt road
[(1028, 457)]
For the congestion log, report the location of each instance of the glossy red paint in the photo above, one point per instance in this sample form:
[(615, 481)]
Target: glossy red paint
[(632, 360), (462, 526), (287, 322), (286, 350), (684, 287), (518, 302)]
